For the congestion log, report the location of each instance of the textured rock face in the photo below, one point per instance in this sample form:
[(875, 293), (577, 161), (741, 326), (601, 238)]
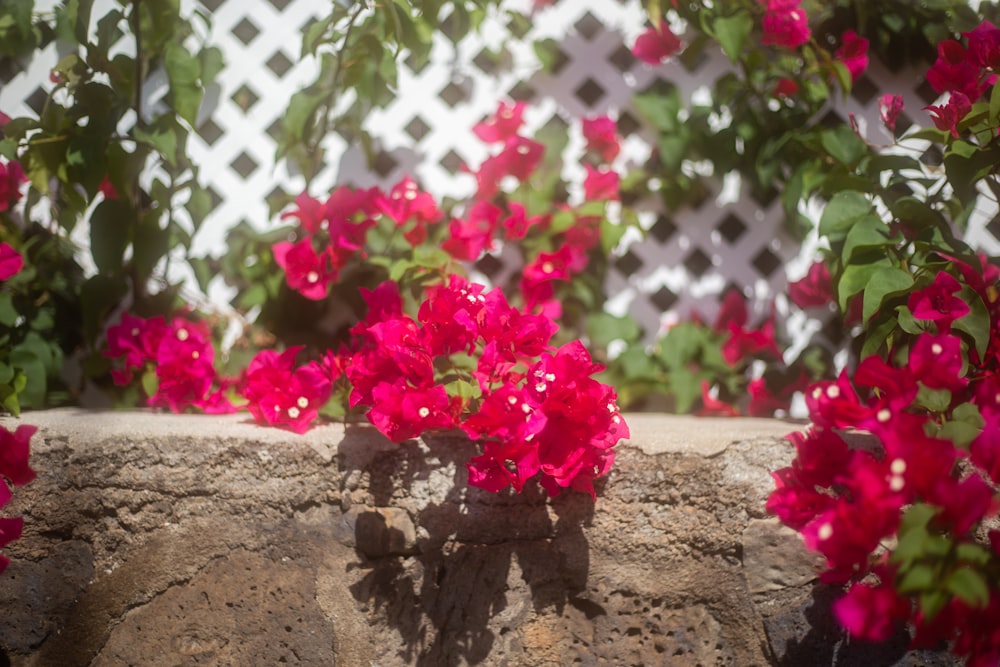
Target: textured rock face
[(166, 540)]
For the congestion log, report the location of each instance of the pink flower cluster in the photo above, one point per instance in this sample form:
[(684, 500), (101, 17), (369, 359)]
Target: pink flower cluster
[(11, 261), (11, 178), (965, 73), (538, 411), (279, 393), (785, 24), (848, 500), (14, 450), (180, 355)]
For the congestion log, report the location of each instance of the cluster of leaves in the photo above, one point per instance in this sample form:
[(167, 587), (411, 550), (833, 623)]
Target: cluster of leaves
[(901, 519), (357, 47), (97, 156)]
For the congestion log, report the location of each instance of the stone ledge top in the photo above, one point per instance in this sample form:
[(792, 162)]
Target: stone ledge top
[(653, 433)]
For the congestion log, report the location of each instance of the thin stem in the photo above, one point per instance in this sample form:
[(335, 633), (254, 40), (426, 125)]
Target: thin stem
[(138, 289)]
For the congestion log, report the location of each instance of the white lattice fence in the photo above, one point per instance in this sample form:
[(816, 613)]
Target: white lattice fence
[(687, 258)]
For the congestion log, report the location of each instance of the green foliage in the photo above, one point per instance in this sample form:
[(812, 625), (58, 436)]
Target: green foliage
[(79, 145)]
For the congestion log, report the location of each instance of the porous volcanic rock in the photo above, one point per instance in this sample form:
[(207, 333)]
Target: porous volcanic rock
[(154, 539)]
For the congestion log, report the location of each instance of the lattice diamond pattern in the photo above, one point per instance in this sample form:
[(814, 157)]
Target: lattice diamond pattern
[(684, 263)]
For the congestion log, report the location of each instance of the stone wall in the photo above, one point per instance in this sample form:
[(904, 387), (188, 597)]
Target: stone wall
[(203, 540)]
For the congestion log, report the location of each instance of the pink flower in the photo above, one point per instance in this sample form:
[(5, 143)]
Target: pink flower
[(871, 612), (815, 289), (889, 107), (14, 451), (107, 188), (137, 340), (853, 52), (311, 213), (953, 73), (401, 411), (600, 183), (785, 24), (467, 239), (406, 204), (184, 366), (937, 302), (786, 88), (503, 125), (936, 360), (11, 261), (601, 134), (656, 45), (519, 158), (984, 45), (11, 177), (713, 407), (517, 224), (306, 272), (948, 116), (452, 316), (280, 394)]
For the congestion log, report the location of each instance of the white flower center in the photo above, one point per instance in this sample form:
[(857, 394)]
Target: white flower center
[(135, 331), (833, 391), (303, 402), (182, 334), (312, 277), (512, 400), (423, 412), (195, 354), (898, 466), (883, 415), (293, 412), (548, 267), (825, 531), (540, 387), (936, 348), (523, 150), (896, 483)]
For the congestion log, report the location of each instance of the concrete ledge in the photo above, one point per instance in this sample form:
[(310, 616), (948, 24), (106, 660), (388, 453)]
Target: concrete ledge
[(184, 540)]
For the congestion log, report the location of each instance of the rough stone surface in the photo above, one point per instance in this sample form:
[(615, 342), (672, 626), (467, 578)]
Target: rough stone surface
[(192, 540)]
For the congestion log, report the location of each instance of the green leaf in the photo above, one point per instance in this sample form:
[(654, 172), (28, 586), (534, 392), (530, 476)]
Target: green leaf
[(885, 282), (166, 136), (970, 586), (844, 209), (549, 55), (918, 578), (843, 145), (212, 62), (111, 228), (8, 314), (150, 382), (935, 400), (33, 394), (855, 278), (868, 232), (976, 323), (995, 105), (183, 72), (732, 32), (681, 345), (602, 328)]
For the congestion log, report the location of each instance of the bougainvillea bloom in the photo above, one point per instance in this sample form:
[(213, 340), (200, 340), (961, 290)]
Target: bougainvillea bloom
[(601, 134), (953, 73), (600, 183), (310, 212), (948, 116), (786, 88), (282, 395), (871, 612), (306, 271), (785, 24), (984, 46), (853, 52), (407, 204), (938, 301), (656, 45), (14, 451), (11, 261), (401, 411), (503, 125), (11, 178), (889, 107), (936, 360), (469, 237), (814, 290), (137, 340), (517, 224)]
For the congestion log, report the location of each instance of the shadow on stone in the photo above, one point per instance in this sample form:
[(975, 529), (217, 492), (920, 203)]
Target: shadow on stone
[(482, 565)]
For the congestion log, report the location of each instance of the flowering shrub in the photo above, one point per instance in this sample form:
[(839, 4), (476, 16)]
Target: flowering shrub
[(903, 514), (14, 450)]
